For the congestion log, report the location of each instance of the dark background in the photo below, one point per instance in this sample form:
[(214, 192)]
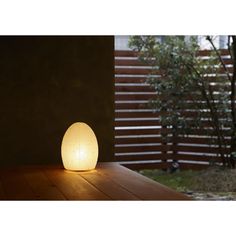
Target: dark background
[(48, 83)]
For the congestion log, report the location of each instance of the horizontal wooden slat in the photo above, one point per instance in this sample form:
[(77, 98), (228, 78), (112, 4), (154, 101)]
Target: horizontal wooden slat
[(145, 140), (143, 88), (147, 88), (133, 71), (130, 53), (193, 166), (154, 148), (129, 62), (147, 165), (178, 157), (141, 131), (221, 78), (161, 148), (198, 140), (125, 96), (143, 149), (198, 149), (196, 158), (143, 157), (125, 53), (137, 62), (130, 80), (141, 105), (205, 132), (163, 165), (129, 117), (141, 140), (135, 97), (223, 52), (137, 123), (146, 71), (147, 114)]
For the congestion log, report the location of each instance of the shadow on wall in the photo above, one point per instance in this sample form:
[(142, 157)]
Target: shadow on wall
[(48, 83)]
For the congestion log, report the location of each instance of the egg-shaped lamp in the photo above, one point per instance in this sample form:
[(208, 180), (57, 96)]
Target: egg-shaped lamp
[(79, 149)]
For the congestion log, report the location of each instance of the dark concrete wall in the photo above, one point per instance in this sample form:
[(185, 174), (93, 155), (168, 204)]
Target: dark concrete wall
[(48, 83)]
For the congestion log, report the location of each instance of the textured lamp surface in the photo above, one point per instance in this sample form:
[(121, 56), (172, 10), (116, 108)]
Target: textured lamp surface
[(79, 148)]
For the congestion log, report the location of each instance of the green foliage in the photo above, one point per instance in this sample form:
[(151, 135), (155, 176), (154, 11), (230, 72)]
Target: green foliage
[(180, 181), (179, 78), (214, 179)]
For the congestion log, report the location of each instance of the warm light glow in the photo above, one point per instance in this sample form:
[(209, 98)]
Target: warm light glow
[(79, 149)]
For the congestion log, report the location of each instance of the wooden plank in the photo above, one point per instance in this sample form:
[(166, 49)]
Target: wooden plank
[(136, 62), (193, 166), (134, 88), (73, 186), (135, 97), (141, 128), (43, 188), (146, 165), (197, 158), (220, 78), (148, 71), (130, 53), (199, 140), (15, 186), (129, 62), (139, 140), (147, 88), (144, 188), (146, 114), (223, 52), (206, 132), (126, 80), (2, 193), (163, 165), (104, 183), (185, 157), (140, 148), (141, 131), (198, 149), (144, 157), (227, 61), (138, 105), (108, 186), (137, 123), (148, 96), (135, 119), (135, 71), (125, 53)]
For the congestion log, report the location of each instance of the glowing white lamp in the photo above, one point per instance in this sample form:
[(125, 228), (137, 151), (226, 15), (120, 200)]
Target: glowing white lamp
[(79, 149)]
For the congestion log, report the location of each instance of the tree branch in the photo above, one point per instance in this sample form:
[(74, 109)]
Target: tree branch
[(228, 44), (219, 56), (213, 112)]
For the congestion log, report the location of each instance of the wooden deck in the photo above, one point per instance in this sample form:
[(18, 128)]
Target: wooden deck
[(109, 181)]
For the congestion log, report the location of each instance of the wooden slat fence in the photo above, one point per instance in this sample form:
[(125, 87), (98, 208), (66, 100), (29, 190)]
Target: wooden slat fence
[(138, 142)]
